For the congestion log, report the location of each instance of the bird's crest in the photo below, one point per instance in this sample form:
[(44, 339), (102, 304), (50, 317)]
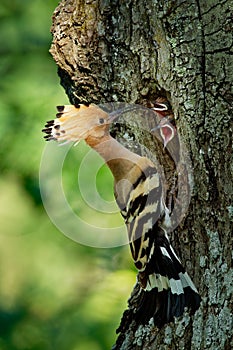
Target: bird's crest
[(76, 122)]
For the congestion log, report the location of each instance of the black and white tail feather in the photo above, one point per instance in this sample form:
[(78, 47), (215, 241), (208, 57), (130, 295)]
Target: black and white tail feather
[(165, 287)]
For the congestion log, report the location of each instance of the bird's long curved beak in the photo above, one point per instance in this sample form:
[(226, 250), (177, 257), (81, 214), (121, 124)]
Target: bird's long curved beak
[(116, 114)]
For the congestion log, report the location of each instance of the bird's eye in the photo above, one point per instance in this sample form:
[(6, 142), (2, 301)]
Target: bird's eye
[(101, 120)]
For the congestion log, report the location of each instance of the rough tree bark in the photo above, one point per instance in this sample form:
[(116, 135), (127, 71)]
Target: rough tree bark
[(133, 51)]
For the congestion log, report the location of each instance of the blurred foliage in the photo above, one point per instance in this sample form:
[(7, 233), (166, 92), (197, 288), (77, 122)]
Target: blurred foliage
[(54, 293)]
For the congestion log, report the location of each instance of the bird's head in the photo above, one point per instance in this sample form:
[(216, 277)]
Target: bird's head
[(165, 126), (78, 122)]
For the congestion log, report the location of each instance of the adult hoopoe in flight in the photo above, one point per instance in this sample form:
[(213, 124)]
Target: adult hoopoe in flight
[(165, 288)]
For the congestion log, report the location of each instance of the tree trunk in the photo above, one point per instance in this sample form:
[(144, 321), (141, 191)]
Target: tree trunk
[(134, 51)]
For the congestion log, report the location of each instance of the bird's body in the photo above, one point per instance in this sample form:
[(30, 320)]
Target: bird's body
[(166, 289)]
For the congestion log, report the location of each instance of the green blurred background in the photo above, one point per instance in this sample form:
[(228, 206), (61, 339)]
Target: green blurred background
[(54, 293)]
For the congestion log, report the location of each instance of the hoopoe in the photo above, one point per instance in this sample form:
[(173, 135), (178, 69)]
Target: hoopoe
[(166, 124), (165, 287)]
